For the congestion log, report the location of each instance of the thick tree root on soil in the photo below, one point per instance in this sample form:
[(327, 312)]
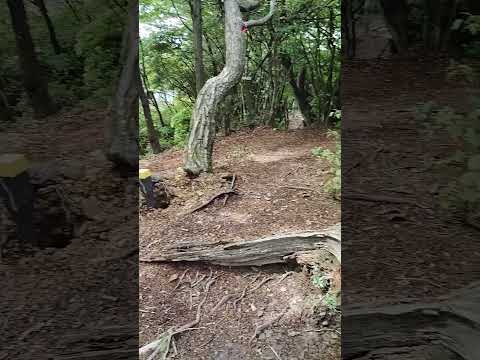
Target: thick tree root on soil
[(446, 328), (271, 250)]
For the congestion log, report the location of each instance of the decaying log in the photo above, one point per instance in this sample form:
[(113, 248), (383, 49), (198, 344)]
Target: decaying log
[(270, 250), (446, 328)]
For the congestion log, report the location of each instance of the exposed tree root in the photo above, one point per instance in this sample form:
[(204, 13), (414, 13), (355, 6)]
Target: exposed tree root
[(213, 198), (159, 349), (259, 329)]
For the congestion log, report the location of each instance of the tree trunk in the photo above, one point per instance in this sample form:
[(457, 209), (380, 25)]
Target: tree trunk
[(396, 16), (152, 132), (122, 136), (200, 76), (348, 29), (299, 89), (35, 85), (51, 29), (271, 250), (5, 114), (439, 16), (202, 129), (331, 67)]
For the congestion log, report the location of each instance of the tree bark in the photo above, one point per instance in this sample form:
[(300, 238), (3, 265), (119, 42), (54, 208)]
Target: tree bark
[(35, 85), (271, 250), (299, 89), (441, 329), (51, 29), (5, 113), (396, 16), (122, 135), (200, 75), (331, 67), (152, 132), (348, 29), (199, 148)]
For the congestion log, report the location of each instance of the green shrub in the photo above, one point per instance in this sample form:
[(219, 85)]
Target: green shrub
[(464, 131), (333, 185)]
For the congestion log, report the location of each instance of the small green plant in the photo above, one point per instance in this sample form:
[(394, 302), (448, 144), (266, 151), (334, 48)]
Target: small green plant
[(334, 184), (318, 278), (330, 301)]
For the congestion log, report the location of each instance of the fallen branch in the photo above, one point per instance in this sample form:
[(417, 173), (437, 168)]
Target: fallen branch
[(271, 250), (208, 202), (298, 188)]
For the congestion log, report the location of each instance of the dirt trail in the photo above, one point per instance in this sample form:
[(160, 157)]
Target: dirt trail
[(280, 188), (390, 155)]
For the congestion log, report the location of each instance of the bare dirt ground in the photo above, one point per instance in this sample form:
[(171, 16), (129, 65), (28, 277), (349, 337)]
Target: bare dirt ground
[(75, 302), (426, 250), (279, 184)]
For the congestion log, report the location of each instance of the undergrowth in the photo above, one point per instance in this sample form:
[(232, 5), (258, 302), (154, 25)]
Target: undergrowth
[(333, 185)]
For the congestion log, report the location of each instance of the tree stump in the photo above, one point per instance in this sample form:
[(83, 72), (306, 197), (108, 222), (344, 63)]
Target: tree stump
[(153, 191)]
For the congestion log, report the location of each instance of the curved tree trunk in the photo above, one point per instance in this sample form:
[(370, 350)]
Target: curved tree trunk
[(122, 138), (199, 148), (202, 128)]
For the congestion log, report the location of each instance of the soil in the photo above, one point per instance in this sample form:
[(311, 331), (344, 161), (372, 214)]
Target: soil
[(414, 250), (280, 189), (74, 302)]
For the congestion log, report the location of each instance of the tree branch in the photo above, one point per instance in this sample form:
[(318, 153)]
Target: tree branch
[(265, 19)]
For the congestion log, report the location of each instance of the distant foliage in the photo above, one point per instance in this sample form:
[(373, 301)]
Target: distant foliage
[(333, 185), (98, 44)]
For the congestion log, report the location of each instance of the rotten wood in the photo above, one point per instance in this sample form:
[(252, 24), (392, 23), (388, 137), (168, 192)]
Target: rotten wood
[(443, 328), (270, 250)]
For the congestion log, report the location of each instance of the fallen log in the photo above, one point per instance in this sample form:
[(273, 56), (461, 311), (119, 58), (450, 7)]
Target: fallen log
[(446, 328), (270, 250)]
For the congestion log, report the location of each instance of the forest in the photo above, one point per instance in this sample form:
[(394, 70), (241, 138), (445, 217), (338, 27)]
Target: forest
[(196, 164), (289, 67)]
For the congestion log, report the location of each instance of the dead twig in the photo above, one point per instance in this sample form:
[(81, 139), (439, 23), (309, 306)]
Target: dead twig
[(259, 329), (208, 202), (275, 353), (294, 187)]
